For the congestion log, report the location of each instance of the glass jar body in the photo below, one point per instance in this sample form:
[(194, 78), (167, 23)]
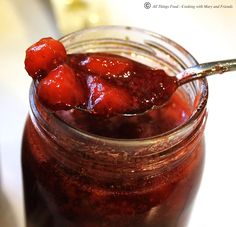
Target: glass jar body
[(73, 178), (57, 196)]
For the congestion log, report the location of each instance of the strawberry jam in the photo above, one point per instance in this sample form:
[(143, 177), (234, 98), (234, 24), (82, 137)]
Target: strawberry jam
[(98, 168)]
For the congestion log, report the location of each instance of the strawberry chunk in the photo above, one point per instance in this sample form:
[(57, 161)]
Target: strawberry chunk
[(61, 89), (106, 99), (44, 56), (108, 65)]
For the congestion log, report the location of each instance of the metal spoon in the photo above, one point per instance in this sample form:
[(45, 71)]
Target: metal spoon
[(194, 73), (206, 69)]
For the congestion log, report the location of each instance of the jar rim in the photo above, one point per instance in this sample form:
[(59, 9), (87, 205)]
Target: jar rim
[(148, 140)]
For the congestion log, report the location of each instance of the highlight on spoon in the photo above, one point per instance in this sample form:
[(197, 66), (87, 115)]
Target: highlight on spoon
[(206, 69)]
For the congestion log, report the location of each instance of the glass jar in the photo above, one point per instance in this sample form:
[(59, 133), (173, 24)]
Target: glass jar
[(73, 177)]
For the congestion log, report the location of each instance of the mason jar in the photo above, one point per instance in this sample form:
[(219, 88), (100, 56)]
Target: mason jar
[(79, 171)]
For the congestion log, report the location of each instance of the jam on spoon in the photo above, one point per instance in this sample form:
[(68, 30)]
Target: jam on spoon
[(100, 83), (105, 84)]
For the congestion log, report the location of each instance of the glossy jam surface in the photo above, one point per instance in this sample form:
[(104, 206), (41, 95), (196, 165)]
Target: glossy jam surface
[(115, 84)]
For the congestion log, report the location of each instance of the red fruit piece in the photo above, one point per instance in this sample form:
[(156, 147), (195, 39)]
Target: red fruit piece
[(105, 99), (44, 56), (107, 64), (61, 89)]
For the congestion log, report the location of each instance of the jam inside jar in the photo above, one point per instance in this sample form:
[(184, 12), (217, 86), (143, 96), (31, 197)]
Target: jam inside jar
[(141, 171)]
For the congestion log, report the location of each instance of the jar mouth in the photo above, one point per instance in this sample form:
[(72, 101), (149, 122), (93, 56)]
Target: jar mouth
[(175, 132)]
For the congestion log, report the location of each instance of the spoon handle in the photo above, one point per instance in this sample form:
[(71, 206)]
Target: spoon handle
[(206, 69)]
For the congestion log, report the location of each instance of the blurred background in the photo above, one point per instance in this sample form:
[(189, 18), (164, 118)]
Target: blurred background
[(206, 28)]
